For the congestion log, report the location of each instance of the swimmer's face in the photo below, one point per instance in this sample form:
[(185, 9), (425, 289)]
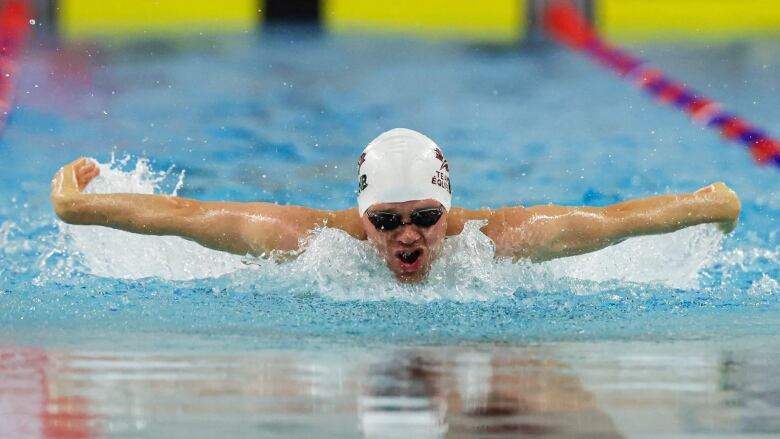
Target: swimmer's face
[(408, 249)]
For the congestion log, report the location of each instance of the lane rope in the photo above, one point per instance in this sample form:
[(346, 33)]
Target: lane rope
[(15, 25), (569, 27)]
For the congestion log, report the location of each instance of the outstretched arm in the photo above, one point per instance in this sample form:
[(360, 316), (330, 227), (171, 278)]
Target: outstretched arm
[(547, 232), (241, 228)]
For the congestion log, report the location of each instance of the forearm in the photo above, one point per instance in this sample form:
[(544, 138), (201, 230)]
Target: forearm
[(137, 213), (548, 232), (158, 215), (668, 213), (239, 228)]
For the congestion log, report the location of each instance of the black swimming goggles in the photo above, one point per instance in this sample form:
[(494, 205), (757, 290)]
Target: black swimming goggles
[(386, 221)]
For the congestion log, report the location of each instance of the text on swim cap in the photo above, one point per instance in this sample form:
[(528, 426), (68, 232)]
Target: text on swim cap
[(442, 180)]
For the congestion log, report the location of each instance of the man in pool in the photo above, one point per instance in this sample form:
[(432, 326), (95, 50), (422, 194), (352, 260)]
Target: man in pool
[(403, 210)]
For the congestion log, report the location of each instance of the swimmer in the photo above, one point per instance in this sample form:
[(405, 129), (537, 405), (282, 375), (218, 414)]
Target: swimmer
[(403, 209)]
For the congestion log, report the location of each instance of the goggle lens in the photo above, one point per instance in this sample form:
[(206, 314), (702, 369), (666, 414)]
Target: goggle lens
[(386, 221)]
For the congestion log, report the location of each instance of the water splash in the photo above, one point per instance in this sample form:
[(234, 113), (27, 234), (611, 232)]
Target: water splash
[(113, 253), (5, 230), (674, 260), (335, 265)]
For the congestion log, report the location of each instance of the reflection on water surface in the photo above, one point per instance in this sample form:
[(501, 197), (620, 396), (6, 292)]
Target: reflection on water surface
[(600, 390)]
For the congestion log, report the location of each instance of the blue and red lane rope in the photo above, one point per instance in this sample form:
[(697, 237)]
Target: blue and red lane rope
[(14, 27), (570, 27)]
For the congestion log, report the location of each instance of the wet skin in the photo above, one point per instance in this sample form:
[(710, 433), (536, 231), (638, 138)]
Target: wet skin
[(535, 233), (396, 245)]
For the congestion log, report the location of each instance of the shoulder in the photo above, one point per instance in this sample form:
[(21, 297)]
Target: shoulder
[(510, 228), (347, 220), (496, 218), (305, 219)]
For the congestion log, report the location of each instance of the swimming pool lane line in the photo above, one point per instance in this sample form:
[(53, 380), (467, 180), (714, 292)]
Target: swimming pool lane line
[(14, 26), (570, 28)]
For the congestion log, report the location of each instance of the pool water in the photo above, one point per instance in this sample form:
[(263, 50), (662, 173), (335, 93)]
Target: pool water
[(107, 334)]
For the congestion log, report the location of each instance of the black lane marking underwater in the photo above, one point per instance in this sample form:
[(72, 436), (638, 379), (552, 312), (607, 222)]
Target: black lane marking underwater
[(299, 11)]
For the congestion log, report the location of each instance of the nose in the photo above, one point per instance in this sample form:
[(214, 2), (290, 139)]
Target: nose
[(408, 235)]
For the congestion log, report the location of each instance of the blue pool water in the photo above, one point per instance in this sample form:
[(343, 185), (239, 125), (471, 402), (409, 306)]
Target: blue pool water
[(157, 337)]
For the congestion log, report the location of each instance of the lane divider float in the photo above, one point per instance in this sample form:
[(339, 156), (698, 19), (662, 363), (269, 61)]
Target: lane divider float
[(569, 27)]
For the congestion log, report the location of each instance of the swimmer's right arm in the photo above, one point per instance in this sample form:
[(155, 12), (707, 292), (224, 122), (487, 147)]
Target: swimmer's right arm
[(240, 228)]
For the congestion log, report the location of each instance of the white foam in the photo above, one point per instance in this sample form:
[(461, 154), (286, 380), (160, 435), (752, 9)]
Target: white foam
[(113, 253), (336, 265), (674, 260), (767, 285)]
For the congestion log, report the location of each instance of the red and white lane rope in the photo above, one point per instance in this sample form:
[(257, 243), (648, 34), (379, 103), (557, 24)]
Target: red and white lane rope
[(569, 27), (14, 27)]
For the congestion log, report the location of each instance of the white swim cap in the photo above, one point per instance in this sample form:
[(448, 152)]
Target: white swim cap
[(402, 165)]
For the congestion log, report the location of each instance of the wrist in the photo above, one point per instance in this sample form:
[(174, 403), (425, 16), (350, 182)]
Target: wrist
[(67, 206)]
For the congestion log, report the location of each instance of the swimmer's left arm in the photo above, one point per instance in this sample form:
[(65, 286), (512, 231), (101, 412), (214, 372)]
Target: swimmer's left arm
[(541, 233)]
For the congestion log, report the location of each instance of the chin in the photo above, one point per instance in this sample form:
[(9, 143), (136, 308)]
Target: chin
[(411, 277)]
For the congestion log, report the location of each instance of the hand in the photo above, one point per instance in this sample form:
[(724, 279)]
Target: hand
[(70, 180), (721, 193)]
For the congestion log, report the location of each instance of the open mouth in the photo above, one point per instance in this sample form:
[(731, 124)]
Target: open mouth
[(410, 261), (409, 257)]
